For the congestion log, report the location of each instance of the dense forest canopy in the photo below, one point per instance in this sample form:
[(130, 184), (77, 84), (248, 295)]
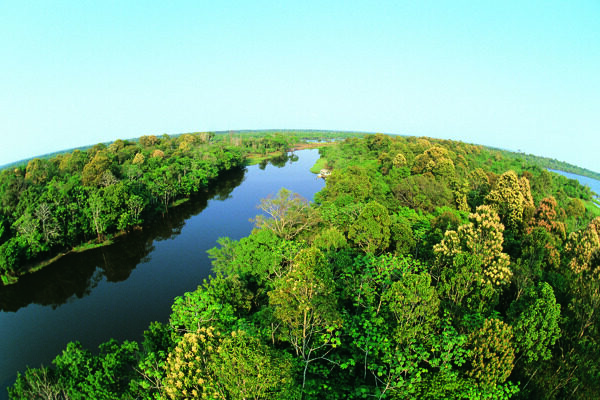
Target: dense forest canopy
[(52, 204), (424, 269)]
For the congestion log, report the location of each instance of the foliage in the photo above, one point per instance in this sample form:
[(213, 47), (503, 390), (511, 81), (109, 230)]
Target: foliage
[(492, 353), (509, 197), (536, 318), (55, 204), (435, 160), (386, 288), (287, 214), (304, 305), (371, 230), (481, 237)]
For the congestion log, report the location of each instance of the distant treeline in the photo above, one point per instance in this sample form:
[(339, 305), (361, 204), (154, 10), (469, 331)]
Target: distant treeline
[(294, 136), (308, 134), (551, 163)]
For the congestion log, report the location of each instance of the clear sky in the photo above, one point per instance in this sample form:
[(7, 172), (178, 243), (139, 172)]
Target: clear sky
[(521, 75)]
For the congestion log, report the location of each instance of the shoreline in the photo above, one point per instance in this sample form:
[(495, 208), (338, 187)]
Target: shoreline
[(251, 159)]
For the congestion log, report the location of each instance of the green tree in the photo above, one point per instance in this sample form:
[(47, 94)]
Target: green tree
[(391, 326), (535, 320), (217, 303), (414, 304), (79, 374), (37, 383), (461, 286), (482, 237), (305, 306), (248, 369), (48, 225), (287, 214), (402, 235), (97, 213), (353, 181), (371, 230), (510, 197), (492, 353)]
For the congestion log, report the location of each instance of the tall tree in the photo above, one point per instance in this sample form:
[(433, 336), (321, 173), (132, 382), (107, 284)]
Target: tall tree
[(305, 306)]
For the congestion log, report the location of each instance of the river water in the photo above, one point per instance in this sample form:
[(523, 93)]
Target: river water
[(116, 291), (592, 183)]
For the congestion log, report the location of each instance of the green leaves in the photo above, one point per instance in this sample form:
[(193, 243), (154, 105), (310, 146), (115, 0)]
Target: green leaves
[(81, 375), (492, 353), (414, 304), (326, 302), (371, 230), (206, 306), (287, 214), (536, 318)]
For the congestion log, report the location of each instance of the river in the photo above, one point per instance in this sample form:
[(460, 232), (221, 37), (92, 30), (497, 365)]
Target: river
[(116, 291), (592, 183)]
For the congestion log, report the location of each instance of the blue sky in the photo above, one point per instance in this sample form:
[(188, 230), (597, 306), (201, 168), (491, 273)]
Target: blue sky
[(521, 75)]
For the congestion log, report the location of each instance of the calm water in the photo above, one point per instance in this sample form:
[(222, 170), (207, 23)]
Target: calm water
[(593, 184), (116, 291)]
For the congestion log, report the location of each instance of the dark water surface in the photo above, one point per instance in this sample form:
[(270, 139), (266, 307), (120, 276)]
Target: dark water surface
[(116, 291)]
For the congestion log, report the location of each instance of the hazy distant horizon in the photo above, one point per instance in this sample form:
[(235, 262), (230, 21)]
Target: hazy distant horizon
[(256, 130)]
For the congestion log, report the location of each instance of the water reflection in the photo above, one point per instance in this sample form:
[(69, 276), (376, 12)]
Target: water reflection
[(74, 300), (76, 274), (280, 161)]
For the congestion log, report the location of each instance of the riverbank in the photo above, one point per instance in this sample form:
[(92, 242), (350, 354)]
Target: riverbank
[(319, 165), (257, 158), (118, 290), (592, 205), (251, 159), (35, 267), (108, 239)]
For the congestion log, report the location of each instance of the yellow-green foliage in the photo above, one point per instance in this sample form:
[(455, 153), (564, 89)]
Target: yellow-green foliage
[(435, 160), (330, 239), (138, 159), (208, 365), (492, 352), (399, 160), (510, 196), (583, 245), (187, 375), (483, 238), (92, 172), (478, 179)]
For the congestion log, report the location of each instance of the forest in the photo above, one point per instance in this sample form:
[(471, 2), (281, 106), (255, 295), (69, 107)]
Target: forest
[(427, 269), (83, 198)]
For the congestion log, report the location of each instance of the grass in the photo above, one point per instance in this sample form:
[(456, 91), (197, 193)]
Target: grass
[(593, 207), (78, 249), (319, 165)]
